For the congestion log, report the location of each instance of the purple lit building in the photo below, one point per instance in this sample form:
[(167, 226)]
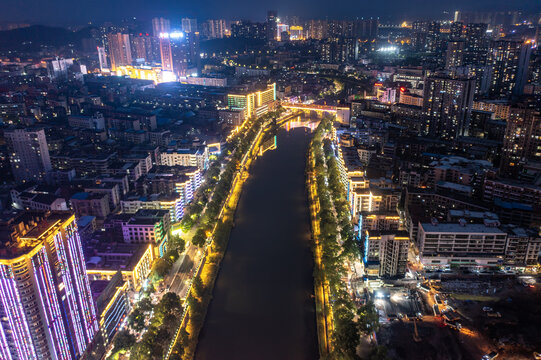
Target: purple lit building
[(46, 308)]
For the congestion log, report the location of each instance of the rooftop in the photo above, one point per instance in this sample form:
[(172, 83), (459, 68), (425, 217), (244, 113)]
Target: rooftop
[(460, 228)]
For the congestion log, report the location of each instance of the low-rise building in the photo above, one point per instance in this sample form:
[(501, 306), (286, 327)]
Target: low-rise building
[(90, 204), (134, 261), (173, 202), (461, 244), (512, 190), (373, 199), (112, 304), (523, 246), (95, 122), (148, 226), (231, 117), (186, 157)]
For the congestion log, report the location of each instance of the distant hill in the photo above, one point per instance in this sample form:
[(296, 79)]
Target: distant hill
[(32, 37)]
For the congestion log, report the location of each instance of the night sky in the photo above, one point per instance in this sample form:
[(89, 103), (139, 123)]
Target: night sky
[(70, 12)]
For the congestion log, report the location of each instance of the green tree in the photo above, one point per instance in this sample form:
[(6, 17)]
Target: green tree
[(124, 340), (177, 243), (200, 238), (145, 304), (197, 287), (160, 269), (170, 303), (346, 332), (368, 318), (137, 319)]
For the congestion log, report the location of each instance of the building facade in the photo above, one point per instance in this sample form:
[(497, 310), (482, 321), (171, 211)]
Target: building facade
[(46, 306), (28, 154)]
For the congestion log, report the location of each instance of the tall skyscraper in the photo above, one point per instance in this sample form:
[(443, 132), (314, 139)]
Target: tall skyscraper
[(476, 44), (160, 25), (193, 49), (447, 105), (318, 29), (174, 53), (142, 47), (272, 25), (28, 154), (426, 35), (456, 32), (249, 30), (216, 29), (509, 61), (522, 140), (102, 57), (46, 307), (339, 50), (189, 25), (455, 54), (119, 49)]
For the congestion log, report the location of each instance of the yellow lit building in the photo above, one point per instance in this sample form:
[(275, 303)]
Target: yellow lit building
[(381, 220), (154, 73), (255, 103), (133, 260), (296, 33)]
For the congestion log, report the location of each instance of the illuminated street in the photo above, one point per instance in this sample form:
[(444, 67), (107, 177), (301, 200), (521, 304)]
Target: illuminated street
[(246, 180)]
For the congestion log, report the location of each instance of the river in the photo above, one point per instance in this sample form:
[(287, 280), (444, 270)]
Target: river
[(262, 306)]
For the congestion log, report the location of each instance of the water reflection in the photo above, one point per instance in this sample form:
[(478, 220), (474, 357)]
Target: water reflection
[(262, 305)]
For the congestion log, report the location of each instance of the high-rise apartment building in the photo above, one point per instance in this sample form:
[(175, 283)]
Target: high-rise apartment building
[(447, 105), (102, 57), (509, 61), (358, 29), (119, 50), (160, 25), (189, 25), (455, 54), (476, 44), (249, 30), (193, 50), (272, 25), (522, 140), (317, 29), (426, 35), (142, 47), (174, 53), (339, 50), (46, 308), (28, 154), (386, 251), (216, 29)]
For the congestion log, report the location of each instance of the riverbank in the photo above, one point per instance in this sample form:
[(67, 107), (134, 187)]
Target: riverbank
[(232, 179), (323, 308), (262, 305), (217, 224), (340, 321)]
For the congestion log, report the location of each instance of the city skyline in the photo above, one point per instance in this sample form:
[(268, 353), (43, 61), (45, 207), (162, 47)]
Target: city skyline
[(307, 181), (56, 12)]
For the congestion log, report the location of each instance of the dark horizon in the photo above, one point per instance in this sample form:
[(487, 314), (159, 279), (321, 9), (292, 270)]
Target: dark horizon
[(62, 12)]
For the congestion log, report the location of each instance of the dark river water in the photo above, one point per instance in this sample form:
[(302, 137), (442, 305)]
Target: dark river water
[(262, 306)]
